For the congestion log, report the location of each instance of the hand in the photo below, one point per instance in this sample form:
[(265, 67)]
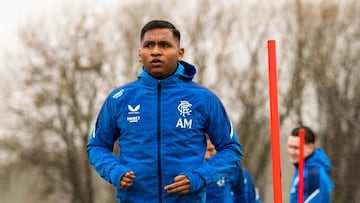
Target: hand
[(127, 180), (180, 186)]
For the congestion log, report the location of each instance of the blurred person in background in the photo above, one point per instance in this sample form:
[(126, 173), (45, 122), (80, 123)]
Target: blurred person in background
[(236, 187), (317, 182)]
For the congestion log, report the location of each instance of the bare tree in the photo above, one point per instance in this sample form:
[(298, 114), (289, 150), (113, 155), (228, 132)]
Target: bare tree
[(228, 52), (69, 71), (71, 62), (335, 74), (327, 65), (64, 70)]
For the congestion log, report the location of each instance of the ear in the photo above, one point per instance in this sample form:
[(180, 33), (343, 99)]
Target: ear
[(139, 56), (181, 54), (312, 146), (309, 149)]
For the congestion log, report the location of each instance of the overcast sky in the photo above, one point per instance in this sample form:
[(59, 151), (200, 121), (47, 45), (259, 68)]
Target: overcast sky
[(14, 12)]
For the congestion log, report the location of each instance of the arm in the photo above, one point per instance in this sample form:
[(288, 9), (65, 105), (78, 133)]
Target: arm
[(243, 187), (221, 133), (316, 189), (239, 185), (100, 147)]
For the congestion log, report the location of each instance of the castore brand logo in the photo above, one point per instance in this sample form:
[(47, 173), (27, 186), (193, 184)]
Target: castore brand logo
[(134, 112)]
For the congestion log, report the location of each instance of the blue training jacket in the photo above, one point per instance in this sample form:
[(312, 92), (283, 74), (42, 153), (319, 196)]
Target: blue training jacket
[(317, 182), (160, 126), (237, 187)]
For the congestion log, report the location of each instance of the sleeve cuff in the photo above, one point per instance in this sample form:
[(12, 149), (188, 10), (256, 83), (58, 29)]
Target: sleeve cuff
[(116, 174), (196, 181)]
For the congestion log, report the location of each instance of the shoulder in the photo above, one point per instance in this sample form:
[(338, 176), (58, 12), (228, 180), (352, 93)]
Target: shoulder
[(317, 177), (313, 176), (122, 90), (206, 92), (314, 171), (203, 93)]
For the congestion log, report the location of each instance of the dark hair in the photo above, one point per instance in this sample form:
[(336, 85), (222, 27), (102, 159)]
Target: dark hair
[(309, 134), (158, 24)]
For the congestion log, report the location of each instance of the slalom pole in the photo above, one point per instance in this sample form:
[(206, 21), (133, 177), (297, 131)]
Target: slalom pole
[(274, 122), (301, 166)]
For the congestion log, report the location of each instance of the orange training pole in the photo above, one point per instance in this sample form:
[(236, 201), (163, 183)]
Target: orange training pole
[(274, 122), (301, 166)]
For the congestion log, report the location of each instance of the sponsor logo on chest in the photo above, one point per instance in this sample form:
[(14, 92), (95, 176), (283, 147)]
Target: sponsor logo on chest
[(184, 108), (133, 114)]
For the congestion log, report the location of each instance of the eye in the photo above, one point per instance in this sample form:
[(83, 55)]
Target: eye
[(164, 44), (148, 44)]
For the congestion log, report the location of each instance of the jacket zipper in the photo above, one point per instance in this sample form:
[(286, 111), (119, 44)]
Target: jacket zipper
[(159, 142)]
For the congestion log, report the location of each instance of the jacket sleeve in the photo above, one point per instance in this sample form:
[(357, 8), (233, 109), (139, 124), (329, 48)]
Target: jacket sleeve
[(225, 140), (100, 147), (238, 186), (316, 190), (243, 187)]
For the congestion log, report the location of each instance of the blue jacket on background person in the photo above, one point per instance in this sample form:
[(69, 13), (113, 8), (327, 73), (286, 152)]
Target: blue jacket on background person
[(235, 187), (238, 187), (317, 184), (160, 127), (246, 192)]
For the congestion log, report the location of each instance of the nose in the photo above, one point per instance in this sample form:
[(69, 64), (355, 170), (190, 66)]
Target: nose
[(207, 156), (156, 51)]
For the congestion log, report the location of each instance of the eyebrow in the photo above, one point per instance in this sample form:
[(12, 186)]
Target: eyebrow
[(153, 41)]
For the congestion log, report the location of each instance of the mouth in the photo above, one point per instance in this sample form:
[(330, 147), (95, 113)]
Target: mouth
[(294, 158), (155, 62)]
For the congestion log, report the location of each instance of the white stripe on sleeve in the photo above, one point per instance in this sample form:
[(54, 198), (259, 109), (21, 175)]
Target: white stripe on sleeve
[(312, 196)]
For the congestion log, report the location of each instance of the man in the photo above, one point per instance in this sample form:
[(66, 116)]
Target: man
[(160, 121), (317, 183), (235, 187)]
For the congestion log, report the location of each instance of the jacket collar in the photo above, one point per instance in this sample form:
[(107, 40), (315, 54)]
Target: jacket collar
[(184, 72)]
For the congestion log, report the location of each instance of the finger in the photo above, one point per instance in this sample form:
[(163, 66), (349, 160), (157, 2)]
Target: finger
[(129, 175), (181, 186), (182, 189), (178, 181), (127, 180), (180, 178), (125, 184), (183, 192)]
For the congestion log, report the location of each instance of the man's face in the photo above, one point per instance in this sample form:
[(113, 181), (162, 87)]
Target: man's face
[(294, 150), (159, 52), (210, 150)]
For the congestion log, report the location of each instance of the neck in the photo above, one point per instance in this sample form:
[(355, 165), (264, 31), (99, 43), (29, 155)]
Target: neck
[(306, 158)]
